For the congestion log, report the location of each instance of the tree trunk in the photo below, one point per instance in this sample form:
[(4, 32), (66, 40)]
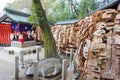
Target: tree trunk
[(49, 42)]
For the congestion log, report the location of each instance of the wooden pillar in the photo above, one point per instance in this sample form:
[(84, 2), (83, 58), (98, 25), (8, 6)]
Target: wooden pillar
[(16, 67), (36, 72)]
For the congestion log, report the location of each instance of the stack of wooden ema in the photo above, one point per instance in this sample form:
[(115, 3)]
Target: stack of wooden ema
[(103, 61), (65, 37), (96, 41)]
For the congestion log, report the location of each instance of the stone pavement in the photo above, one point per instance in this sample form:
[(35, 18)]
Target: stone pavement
[(6, 70), (7, 65)]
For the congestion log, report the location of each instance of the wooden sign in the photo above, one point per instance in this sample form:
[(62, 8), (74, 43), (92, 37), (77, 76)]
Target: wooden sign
[(109, 27), (92, 63), (99, 62), (106, 16), (110, 23), (117, 46), (98, 46), (85, 52), (118, 16), (118, 9), (95, 76), (99, 32), (89, 77), (102, 58), (110, 11), (102, 25), (93, 69), (117, 39), (96, 51), (89, 69), (97, 39), (97, 69), (108, 75), (118, 52), (103, 54), (117, 21), (86, 48), (117, 28)]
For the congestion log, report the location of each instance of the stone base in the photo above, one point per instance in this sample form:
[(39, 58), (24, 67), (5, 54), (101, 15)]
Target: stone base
[(58, 77), (17, 79), (24, 45)]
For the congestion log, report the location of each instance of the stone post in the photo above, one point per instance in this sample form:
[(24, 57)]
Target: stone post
[(74, 62), (22, 59), (16, 67), (71, 54), (71, 57), (38, 49), (36, 72), (37, 54), (64, 69)]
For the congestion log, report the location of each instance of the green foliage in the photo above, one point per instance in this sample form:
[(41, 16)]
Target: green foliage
[(33, 17), (60, 11), (86, 6), (20, 4), (57, 10)]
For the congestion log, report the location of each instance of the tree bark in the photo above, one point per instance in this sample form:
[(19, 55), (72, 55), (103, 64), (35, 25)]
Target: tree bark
[(49, 42)]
